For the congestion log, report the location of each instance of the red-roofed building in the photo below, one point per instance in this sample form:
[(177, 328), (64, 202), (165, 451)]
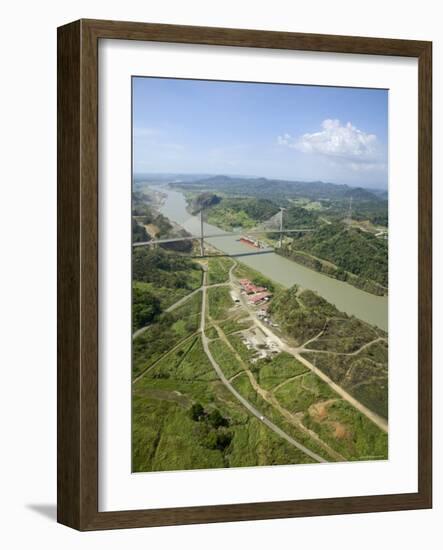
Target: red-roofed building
[(257, 298), (250, 288)]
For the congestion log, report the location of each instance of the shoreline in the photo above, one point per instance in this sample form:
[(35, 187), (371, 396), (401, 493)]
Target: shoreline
[(367, 307)]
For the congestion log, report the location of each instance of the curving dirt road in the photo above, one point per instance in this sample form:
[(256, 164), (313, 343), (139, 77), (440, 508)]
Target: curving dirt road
[(237, 395), (295, 352)]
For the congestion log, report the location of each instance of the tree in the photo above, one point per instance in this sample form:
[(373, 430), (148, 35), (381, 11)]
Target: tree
[(210, 440), (139, 233), (223, 440), (317, 265), (145, 307), (216, 419), (203, 201), (197, 412)]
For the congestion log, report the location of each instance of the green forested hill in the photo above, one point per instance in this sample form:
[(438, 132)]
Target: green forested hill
[(164, 269), (159, 279), (302, 315), (276, 189), (334, 198), (296, 216), (350, 249), (244, 212), (203, 201)]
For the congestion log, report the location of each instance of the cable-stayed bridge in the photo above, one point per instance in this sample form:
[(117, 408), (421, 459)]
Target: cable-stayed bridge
[(273, 225), (199, 237)]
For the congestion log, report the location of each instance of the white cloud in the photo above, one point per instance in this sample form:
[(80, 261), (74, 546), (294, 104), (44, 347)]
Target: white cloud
[(286, 139), (341, 144)]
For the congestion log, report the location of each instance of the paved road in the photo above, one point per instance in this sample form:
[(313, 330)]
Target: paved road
[(238, 396)]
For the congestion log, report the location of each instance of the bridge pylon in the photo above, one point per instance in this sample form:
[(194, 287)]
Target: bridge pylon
[(281, 226), (202, 236)]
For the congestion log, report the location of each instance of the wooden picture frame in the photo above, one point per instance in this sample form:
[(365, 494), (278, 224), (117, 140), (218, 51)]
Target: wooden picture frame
[(78, 274)]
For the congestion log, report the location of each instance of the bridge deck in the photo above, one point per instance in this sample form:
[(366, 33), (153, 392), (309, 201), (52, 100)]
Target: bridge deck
[(199, 237)]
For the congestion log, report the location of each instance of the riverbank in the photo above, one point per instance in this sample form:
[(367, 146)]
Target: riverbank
[(347, 298), (331, 270)]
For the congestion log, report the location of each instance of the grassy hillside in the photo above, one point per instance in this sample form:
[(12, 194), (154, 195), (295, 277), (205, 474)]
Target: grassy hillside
[(351, 352), (184, 417)]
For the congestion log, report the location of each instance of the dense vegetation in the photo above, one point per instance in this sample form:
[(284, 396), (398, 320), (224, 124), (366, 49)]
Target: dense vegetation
[(372, 207), (301, 314), (296, 216), (276, 189), (162, 336), (350, 249), (155, 265), (139, 233), (159, 279), (145, 307), (367, 204), (170, 434), (230, 213), (203, 201), (183, 416)]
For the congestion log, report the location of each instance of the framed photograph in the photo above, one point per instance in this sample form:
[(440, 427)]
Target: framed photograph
[(244, 275)]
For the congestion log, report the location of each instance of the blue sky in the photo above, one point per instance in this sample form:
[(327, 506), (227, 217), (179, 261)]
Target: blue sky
[(271, 130)]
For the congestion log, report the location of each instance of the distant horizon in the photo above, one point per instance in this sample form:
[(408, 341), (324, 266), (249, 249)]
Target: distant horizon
[(253, 177), (282, 131)]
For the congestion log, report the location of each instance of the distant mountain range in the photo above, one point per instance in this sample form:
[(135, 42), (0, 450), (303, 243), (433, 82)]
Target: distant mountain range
[(275, 189), (301, 188)]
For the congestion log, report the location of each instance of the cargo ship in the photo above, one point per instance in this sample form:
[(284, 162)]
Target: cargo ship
[(250, 241)]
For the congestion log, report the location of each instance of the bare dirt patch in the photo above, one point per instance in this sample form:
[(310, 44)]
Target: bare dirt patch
[(152, 230), (319, 412), (340, 431)]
